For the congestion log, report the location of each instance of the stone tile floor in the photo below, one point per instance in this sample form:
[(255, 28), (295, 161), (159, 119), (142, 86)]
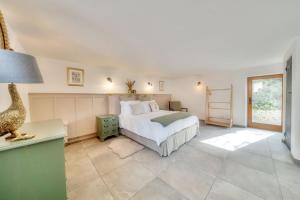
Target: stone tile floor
[(219, 163)]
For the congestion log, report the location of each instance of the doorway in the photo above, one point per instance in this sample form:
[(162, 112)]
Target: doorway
[(265, 97)]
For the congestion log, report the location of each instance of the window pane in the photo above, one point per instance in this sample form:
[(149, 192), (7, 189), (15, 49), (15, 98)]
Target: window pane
[(267, 101)]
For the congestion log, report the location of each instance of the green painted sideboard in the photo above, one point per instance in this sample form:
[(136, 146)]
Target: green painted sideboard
[(34, 169), (107, 125)]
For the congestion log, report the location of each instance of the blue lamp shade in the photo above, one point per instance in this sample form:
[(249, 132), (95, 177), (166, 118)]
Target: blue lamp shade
[(18, 68)]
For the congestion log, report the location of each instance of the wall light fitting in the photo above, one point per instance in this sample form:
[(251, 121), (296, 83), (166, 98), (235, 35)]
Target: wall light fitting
[(109, 79)]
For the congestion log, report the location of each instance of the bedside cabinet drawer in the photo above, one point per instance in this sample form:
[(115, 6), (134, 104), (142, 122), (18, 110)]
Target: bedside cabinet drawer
[(114, 126), (106, 126), (105, 120), (114, 120), (106, 132), (115, 131)]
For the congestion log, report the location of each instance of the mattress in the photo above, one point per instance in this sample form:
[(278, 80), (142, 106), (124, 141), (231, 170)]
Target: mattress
[(142, 125)]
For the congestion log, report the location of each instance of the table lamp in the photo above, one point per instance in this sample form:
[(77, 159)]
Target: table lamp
[(16, 68)]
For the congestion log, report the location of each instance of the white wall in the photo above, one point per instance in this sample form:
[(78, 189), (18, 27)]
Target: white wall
[(54, 73), (294, 51), (185, 90)]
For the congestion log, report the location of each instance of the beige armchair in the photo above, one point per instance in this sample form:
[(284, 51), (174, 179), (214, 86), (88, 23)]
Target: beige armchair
[(176, 106)]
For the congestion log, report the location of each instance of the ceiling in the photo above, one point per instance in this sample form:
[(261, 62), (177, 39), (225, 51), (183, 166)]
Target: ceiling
[(157, 36)]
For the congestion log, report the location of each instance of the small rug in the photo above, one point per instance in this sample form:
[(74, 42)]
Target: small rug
[(124, 147)]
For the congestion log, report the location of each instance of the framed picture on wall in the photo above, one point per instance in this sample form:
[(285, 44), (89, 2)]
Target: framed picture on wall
[(161, 85), (75, 76)]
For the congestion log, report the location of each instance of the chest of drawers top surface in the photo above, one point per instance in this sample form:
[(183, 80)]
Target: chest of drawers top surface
[(43, 131)]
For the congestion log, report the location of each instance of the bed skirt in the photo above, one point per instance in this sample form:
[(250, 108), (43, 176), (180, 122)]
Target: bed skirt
[(172, 143)]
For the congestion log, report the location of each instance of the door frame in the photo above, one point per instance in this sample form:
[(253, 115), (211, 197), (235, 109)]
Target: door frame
[(249, 104)]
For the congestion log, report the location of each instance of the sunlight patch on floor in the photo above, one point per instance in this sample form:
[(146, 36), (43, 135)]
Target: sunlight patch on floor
[(238, 139)]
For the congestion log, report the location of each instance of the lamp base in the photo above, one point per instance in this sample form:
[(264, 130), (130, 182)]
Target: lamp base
[(19, 136), (13, 118)]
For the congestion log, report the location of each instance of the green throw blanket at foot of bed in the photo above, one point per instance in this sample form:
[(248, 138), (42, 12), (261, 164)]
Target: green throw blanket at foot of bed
[(169, 119)]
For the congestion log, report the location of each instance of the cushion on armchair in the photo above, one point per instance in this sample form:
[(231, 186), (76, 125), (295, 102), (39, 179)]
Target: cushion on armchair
[(176, 106)]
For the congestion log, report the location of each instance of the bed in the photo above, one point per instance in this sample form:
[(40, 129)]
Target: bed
[(160, 138)]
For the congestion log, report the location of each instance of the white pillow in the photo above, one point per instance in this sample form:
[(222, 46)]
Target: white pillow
[(154, 106), (138, 108), (125, 107), (146, 105)]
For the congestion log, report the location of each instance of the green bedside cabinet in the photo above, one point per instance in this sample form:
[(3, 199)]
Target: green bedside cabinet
[(107, 125)]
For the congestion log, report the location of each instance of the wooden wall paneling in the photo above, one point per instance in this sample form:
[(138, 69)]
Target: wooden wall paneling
[(65, 109), (41, 107), (85, 123), (100, 107), (79, 111), (114, 106)]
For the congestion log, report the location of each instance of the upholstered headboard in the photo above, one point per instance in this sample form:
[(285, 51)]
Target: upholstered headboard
[(128, 97), (114, 100), (145, 97)]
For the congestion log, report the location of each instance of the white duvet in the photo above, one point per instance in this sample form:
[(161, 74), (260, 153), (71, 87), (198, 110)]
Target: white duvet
[(142, 125)]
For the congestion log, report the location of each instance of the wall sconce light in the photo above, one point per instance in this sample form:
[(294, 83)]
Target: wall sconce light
[(109, 84), (198, 83), (109, 79)]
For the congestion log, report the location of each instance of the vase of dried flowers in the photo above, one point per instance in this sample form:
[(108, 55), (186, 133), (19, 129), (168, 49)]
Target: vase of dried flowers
[(130, 85)]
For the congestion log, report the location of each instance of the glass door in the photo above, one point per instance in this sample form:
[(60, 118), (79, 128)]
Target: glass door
[(265, 102)]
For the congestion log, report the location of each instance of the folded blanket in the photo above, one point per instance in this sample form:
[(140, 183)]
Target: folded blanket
[(169, 119)]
